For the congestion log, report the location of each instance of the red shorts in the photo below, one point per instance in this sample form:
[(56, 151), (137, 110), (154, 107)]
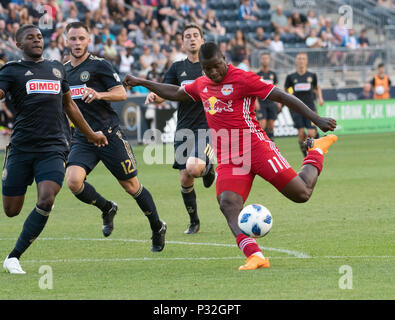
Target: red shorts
[(263, 160)]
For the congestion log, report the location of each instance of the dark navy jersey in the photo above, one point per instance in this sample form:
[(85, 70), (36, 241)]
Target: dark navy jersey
[(190, 115), (269, 77), (36, 89), (303, 86), (98, 74)]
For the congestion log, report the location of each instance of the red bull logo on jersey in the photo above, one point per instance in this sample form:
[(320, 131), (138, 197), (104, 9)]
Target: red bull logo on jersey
[(42, 86), (214, 105), (227, 89), (77, 91)]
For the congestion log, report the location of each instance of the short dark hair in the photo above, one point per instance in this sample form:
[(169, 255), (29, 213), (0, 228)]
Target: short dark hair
[(381, 65), (21, 30), (190, 26), (209, 50), (76, 25)]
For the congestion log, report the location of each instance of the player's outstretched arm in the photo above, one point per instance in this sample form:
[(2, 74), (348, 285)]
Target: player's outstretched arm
[(295, 104), (117, 93), (75, 115), (164, 90)]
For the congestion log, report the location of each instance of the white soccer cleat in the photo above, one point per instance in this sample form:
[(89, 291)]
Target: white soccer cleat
[(12, 265)]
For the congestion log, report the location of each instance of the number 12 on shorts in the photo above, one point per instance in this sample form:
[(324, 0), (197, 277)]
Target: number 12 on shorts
[(127, 166)]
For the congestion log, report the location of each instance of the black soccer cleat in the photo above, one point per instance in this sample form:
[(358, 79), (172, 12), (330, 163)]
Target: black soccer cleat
[(209, 178), (108, 219), (158, 238), (193, 228)]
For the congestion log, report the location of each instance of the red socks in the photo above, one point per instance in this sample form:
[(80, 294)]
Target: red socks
[(314, 158), (247, 245)]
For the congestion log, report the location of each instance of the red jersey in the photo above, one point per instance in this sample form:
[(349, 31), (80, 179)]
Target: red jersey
[(229, 107)]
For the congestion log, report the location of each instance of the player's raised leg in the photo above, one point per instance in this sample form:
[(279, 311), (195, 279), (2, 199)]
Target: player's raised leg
[(301, 187), (85, 192), (147, 205)]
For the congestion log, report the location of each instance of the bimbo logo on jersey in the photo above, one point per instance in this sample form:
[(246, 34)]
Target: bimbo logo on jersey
[(77, 91), (42, 86)]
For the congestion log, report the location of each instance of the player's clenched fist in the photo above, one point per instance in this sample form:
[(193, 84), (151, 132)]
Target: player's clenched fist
[(98, 139), (130, 81), (326, 124)]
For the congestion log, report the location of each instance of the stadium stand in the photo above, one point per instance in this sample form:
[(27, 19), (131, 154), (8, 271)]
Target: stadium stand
[(341, 57)]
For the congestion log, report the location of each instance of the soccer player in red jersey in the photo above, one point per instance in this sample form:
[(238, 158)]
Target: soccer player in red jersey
[(242, 147)]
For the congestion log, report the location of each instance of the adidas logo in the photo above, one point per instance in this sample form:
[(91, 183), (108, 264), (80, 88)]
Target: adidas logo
[(28, 73), (205, 90), (184, 74)]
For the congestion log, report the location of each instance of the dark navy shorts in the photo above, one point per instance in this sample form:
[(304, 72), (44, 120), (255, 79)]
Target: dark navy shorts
[(188, 143), (301, 122), (21, 168), (117, 156), (268, 110)]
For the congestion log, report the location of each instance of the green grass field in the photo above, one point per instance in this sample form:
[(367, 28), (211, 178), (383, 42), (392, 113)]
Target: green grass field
[(349, 221)]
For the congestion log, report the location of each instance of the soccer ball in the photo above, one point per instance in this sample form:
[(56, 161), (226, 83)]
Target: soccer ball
[(255, 221)]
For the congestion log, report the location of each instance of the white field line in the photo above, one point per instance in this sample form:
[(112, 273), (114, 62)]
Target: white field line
[(101, 260), (291, 254)]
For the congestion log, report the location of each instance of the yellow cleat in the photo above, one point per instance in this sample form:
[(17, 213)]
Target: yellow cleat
[(323, 143), (255, 262)]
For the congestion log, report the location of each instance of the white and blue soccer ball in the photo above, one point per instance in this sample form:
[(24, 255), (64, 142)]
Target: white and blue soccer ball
[(255, 220)]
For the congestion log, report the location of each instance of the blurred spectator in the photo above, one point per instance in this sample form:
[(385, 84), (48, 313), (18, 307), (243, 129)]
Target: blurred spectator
[(167, 17), (238, 48), (381, 84), (350, 40), (179, 50), (116, 10), (298, 24), (73, 15), (313, 41), (145, 10), (366, 93), (212, 24), (279, 20), (340, 32), (154, 31), (52, 52), (260, 40), (276, 44), (154, 74), (110, 51), (166, 46), (122, 37), (312, 19), (142, 38), (92, 5), (146, 59), (61, 44), (158, 56), (88, 19), (106, 34), (363, 39), (132, 21), (201, 10), (246, 10), (223, 47), (126, 59), (327, 26)]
